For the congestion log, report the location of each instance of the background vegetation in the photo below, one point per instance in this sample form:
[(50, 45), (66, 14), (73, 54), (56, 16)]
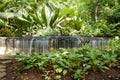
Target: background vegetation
[(59, 17)]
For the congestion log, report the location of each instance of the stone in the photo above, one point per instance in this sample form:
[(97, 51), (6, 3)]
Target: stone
[(8, 61), (2, 74), (2, 70), (2, 66)]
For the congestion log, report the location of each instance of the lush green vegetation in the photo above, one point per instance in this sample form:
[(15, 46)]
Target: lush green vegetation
[(77, 62), (59, 17), (64, 17)]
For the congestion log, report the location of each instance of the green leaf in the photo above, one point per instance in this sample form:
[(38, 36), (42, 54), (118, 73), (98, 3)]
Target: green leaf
[(59, 70), (28, 67), (57, 77), (54, 17), (24, 20), (86, 67), (43, 15), (67, 11), (37, 19), (25, 67), (65, 72), (61, 63), (95, 62), (78, 73), (3, 5), (55, 66), (51, 6), (2, 23)]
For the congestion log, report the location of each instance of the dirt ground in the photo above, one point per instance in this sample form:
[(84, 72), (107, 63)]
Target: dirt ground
[(34, 74)]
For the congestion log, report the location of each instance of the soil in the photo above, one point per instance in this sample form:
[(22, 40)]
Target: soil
[(34, 74)]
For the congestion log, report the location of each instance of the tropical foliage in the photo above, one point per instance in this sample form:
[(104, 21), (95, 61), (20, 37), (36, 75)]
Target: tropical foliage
[(58, 17)]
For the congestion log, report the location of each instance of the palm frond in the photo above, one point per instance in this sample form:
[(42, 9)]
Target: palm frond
[(3, 5), (54, 17), (43, 15), (2, 23)]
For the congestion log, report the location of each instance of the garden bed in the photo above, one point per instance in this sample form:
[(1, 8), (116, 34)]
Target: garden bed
[(34, 74)]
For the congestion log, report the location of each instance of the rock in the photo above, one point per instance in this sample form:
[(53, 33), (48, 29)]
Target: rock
[(8, 61), (2, 66), (2, 74), (2, 70)]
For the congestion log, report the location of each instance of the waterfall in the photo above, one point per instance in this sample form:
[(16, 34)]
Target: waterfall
[(27, 45), (36, 45), (2, 45), (16, 45), (31, 43)]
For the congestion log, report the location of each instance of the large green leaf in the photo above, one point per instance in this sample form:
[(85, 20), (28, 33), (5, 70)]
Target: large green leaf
[(43, 15), (67, 11), (2, 23), (51, 6), (54, 17), (37, 19), (3, 5)]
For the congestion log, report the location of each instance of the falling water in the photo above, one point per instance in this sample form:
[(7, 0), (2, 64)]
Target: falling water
[(2, 45), (17, 42), (31, 43), (45, 44), (36, 45)]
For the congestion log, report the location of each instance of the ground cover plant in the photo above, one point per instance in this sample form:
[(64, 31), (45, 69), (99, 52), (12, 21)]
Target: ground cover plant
[(77, 63)]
